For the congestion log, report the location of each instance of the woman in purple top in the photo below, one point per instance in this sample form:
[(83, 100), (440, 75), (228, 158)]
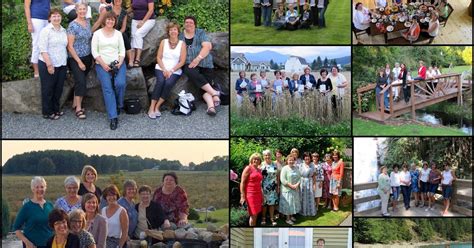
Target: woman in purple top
[(142, 22), (36, 12)]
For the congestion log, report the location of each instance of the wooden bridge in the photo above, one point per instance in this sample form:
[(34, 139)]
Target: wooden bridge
[(423, 93), (461, 202)]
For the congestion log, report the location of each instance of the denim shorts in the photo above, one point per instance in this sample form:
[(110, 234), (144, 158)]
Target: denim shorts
[(424, 186), (395, 193), (433, 188), (447, 191)]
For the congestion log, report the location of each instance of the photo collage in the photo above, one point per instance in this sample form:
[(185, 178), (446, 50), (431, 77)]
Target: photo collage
[(237, 123)]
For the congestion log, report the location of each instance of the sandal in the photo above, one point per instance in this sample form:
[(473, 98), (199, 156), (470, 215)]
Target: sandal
[(60, 113), (151, 116), (80, 114), (218, 102), (273, 223), (136, 63), (211, 111), (51, 117), (263, 223), (289, 222)]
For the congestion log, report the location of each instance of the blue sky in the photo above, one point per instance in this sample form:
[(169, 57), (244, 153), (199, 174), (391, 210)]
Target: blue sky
[(302, 51)]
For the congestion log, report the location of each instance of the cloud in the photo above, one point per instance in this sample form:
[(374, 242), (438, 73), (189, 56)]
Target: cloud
[(302, 51)]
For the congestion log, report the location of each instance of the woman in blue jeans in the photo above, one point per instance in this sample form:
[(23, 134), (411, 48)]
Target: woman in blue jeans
[(322, 7), (381, 83), (107, 48)]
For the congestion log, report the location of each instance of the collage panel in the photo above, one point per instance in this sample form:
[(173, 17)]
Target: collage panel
[(291, 237), (290, 90), (165, 193), (290, 22), (407, 22), (413, 177), (291, 181), (413, 233), (412, 91)]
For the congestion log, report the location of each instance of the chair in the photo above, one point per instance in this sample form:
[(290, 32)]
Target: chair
[(358, 33), (445, 20)]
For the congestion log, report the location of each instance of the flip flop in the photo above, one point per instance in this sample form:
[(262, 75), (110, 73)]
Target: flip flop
[(80, 114), (211, 111), (51, 117), (152, 116)]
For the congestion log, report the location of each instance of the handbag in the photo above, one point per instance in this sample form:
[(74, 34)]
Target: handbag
[(132, 106), (184, 104)]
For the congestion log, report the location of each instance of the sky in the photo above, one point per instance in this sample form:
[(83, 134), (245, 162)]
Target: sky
[(184, 151), (302, 51)]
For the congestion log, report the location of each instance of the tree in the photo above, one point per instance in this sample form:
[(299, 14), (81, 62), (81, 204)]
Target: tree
[(466, 55), (273, 65), (46, 166), (326, 63), (314, 65), (319, 63)]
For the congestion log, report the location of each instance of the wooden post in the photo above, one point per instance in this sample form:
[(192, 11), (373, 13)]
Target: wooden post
[(390, 97), (360, 103), (412, 95), (382, 105), (459, 83)]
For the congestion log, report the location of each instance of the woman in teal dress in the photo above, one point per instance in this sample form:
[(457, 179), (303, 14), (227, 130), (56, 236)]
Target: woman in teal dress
[(290, 198), (271, 187), (307, 187)]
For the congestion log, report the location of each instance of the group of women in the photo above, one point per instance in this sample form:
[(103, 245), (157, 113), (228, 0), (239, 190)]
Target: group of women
[(362, 17), (423, 183), (257, 87), (291, 18), (400, 74), (82, 46), (290, 186), (87, 217)]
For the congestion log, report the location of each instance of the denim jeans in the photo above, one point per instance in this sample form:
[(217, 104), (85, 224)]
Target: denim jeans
[(385, 97), (406, 195), (163, 86), (322, 21), (267, 16), (113, 99)]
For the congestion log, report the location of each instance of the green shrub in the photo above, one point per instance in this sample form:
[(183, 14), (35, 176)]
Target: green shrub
[(193, 214), (211, 15), (5, 218), (238, 217)]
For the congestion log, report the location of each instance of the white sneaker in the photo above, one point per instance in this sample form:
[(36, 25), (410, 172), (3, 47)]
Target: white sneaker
[(426, 209), (431, 208)]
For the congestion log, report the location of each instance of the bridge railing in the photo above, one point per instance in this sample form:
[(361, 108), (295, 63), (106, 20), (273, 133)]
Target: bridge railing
[(457, 197), (427, 88)]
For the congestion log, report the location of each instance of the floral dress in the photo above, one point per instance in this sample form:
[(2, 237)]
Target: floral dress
[(269, 183), (415, 174), (289, 198), (319, 179), (327, 176), (307, 191)]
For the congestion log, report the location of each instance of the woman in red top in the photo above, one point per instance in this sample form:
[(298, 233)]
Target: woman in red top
[(251, 187), (421, 71), (335, 186), (173, 200)]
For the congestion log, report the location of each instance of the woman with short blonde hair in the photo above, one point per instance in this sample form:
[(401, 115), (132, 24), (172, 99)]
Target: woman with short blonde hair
[(89, 177), (77, 218), (251, 187)]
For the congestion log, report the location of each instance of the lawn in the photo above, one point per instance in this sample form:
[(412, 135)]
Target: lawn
[(243, 31), (370, 128), (221, 215)]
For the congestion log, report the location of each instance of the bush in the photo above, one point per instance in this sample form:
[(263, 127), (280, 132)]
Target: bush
[(211, 15), (5, 218), (238, 217), (193, 214)]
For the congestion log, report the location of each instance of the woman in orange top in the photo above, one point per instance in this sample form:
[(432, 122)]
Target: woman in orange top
[(335, 185)]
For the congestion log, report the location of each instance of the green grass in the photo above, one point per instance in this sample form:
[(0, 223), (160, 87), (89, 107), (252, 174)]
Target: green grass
[(241, 126), (243, 31), (456, 69), (370, 128), (325, 217), (221, 215)]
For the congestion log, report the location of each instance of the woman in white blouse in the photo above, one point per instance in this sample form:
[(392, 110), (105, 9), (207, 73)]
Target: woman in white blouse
[(108, 50), (405, 182), (361, 18), (52, 65), (433, 26), (170, 58), (339, 80)]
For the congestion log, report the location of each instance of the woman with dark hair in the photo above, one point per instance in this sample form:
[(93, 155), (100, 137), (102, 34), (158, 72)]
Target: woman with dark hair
[(335, 185), (117, 219), (324, 84), (403, 76), (150, 213), (405, 183), (59, 222), (381, 83), (395, 185), (434, 179), (173, 200), (199, 64)]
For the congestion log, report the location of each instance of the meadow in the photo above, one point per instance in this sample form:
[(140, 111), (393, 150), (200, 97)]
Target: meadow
[(309, 115), (204, 189), (243, 31)]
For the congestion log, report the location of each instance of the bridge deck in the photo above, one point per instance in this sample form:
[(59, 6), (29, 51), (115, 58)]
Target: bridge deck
[(413, 211)]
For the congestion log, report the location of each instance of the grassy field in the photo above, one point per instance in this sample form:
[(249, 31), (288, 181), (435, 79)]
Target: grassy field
[(370, 128), (243, 31), (312, 115), (204, 189)]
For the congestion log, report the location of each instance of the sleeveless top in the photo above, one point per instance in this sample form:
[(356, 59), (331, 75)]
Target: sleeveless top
[(425, 174), (114, 228), (436, 31), (254, 184), (171, 56), (447, 177)]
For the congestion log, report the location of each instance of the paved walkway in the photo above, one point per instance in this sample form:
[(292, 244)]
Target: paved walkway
[(347, 221), (197, 126)]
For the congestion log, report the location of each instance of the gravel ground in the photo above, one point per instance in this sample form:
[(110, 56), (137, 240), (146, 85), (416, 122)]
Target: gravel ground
[(197, 126)]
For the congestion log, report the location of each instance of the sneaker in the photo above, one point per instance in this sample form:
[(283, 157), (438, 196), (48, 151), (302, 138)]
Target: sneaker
[(289, 222), (426, 209)]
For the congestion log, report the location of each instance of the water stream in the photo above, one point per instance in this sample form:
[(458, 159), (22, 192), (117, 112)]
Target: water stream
[(441, 118)]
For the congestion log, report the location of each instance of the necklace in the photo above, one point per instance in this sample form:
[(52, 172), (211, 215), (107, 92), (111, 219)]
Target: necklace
[(172, 44)]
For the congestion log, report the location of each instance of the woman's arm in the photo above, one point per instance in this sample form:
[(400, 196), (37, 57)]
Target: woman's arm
[(149, 13), (121, 51), (101, 233), (99, 21), (72, 51), (124, 227), (28, 15), (206, 48), (329, 83), (124, 24), (245, 175), (159, 59), (182, 57)]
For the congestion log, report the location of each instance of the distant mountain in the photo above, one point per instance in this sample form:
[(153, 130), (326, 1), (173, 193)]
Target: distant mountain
[(281, 58)]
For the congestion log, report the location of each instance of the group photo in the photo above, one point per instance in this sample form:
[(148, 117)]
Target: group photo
[(96, 194), (115, 64), (401, 177), (276, 184), (290, 22), (427, 89), (405, 22), (273, 87)]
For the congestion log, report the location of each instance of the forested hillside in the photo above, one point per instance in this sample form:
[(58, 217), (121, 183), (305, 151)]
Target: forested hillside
[(387, 231)]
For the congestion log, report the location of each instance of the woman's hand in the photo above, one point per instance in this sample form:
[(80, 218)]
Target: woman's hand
[(195, 62), (81, 66), (30, 245), (30, 27), (166, 224), (167, 74), (182, 222), (140, 24), (105, 67), (242, 200), (51, 69)]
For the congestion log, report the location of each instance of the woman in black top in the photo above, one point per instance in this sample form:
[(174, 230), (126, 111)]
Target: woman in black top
[(403, 76), (381, 83), (58, 221), (324, 84), (150, 213)]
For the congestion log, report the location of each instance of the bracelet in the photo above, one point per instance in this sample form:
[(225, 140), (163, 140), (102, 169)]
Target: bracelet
[(200, 57)]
